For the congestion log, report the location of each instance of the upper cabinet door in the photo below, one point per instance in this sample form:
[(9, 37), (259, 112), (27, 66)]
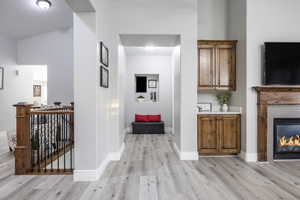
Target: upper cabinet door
[(206, 66), (225, 67)]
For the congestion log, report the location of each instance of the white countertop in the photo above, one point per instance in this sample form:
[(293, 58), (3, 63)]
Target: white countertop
[(219, 113), (234, 110)]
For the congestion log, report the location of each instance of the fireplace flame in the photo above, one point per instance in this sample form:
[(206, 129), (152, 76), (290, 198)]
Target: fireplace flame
[(292, 141)]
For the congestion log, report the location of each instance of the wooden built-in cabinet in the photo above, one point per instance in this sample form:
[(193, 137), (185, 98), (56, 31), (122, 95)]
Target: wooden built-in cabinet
[(219, 134), (217, 65)]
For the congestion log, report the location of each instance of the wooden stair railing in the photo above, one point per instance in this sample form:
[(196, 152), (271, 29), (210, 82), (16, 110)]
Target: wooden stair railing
[(45, 140)]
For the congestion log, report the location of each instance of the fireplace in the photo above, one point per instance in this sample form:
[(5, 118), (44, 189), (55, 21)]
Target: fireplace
[(286, 138)]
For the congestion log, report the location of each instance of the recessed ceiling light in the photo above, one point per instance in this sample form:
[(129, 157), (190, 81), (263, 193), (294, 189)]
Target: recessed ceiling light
[(43, 4)]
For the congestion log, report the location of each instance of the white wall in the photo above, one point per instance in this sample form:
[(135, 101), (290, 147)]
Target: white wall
[(267, 21), (160, 65), (8, 51), (154, 17), (212, 19), (176, 93), (236, 30), (122, 87), (85, 93), (54, 49)]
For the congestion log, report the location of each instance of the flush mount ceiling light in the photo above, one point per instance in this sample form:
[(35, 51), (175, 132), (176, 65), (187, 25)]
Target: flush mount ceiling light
[(43, 4)]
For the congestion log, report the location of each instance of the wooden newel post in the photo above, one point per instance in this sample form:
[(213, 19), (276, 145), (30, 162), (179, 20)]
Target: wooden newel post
[(23, 146)]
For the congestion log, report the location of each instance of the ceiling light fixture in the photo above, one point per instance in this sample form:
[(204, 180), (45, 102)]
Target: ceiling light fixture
[(43, 4)]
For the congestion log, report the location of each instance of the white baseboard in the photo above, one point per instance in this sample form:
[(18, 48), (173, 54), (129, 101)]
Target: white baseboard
[(94, 175), (117, 155), (185, 155), (169, 130), (248, 157)]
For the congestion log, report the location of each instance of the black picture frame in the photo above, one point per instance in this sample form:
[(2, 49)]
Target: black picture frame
[(104, 55), (104, 77), (152, 81), (1, 78)]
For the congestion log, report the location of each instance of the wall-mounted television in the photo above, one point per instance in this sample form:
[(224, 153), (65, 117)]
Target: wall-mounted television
[(282, 63), (141, 84)]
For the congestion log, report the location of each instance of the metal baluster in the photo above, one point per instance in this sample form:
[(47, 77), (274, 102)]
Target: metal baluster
[(51, 132), (57, 139), (70, 141), (37, 142), (64, 140), (45, 141), (31, 136)]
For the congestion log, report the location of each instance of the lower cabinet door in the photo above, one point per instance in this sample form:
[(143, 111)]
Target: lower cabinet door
[(207, 135), (229, 132)]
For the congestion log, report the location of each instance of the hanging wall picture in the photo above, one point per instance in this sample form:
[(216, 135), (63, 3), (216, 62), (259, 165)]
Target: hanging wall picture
[(104, 77), (104, 54), (1, 78), (37, 91), (152, 83)]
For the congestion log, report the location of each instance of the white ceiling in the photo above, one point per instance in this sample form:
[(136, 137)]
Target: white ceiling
[(22, 18), (144, 51)]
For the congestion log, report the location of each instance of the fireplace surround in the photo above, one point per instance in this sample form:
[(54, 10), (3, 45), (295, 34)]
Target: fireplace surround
[(269, 96)]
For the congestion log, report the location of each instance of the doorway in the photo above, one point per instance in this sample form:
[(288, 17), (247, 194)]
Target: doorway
[(151, 81)]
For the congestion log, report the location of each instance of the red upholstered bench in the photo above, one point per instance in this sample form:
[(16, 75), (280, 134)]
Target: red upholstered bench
[(148, 124)]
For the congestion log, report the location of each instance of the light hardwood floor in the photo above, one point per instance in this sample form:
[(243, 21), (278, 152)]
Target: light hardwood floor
[(150, 170)]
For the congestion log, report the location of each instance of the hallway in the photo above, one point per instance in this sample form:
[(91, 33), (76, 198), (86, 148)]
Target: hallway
[(150, 170)]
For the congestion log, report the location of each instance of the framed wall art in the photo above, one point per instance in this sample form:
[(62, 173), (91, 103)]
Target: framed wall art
[(104, 77), (104, 54), (152, 83)]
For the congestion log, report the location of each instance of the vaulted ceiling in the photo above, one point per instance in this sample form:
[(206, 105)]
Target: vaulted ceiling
[(22, 18)]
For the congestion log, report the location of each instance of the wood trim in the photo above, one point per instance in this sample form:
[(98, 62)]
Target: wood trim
[(271, 95), (216, 42), (23, 146)]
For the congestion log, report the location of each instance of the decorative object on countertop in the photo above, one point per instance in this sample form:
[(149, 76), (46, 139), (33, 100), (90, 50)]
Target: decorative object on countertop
[(224, 100), (204, 107)]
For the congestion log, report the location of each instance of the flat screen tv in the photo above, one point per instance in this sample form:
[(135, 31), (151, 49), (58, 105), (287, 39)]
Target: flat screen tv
[(141, 84), (282, 63)]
